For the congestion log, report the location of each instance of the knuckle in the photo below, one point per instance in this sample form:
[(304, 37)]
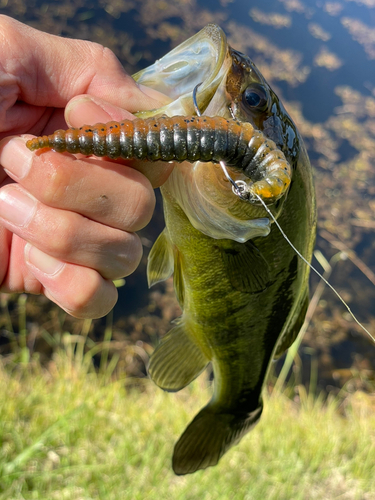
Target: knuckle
[(141, 206), (144, 209), (62, 242), (126, 258), (105, 57), (94, 300), (131, 261), (56, 181), (108, 55)]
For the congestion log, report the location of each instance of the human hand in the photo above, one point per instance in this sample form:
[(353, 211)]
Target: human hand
[(67, 223)]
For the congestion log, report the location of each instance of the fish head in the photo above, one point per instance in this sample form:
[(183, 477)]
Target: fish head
[(231, 87), (253, 100)]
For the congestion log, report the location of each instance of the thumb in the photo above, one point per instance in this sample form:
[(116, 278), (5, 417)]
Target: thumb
[(47, 70)]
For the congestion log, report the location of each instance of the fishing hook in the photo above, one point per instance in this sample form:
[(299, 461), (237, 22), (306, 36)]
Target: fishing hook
[(239, 188), (196, 107)]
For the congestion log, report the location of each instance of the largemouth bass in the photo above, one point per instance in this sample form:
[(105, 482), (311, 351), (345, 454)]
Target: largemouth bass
[(242, 288)]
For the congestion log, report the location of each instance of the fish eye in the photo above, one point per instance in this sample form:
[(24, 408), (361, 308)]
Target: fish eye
[(255, 97)]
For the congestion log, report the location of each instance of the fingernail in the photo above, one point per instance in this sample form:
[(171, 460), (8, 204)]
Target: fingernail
[(161, 99), (16, 158), (16, 206), (45, 263), (85, 108)]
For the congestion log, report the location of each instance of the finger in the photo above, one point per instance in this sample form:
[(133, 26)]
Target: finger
[(104, 191), (5, 245), (92, 109), (85, 109), (155, 94), (22, 117), (68, 236), (80, 291), (54, 69)]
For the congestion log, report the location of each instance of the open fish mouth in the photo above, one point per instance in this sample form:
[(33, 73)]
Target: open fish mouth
[(202, 190), (203, 58)]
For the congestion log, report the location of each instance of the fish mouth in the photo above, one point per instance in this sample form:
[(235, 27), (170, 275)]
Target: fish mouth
[(200, 189), (202, 59)]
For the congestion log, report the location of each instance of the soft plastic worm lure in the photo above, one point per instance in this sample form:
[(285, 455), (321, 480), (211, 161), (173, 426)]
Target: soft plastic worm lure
[(183, 138)]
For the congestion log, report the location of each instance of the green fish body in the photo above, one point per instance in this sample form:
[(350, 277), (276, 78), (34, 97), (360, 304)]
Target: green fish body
[(242, 288)]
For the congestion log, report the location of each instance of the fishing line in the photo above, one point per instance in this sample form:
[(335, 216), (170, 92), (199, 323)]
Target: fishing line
[(313, 268), (241, 189)]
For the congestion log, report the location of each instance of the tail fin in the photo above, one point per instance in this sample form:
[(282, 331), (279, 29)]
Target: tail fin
[(209, 436)]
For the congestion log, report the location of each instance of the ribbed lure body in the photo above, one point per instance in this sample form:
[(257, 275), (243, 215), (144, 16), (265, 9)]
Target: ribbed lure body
[(182, 138)]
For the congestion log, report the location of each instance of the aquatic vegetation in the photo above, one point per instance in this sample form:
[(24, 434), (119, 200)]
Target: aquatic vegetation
[(296, 6), (318, 32), (333, 8), (277, 64), (271, 18), (361, 33), (327, 59)]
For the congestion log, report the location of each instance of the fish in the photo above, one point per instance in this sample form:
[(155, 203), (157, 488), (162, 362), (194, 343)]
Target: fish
[(242, 288)]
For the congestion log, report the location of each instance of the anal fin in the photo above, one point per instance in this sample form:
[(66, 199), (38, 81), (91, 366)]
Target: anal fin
[(176, 361)]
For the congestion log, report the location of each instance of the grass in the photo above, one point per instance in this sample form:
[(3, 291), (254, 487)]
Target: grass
[(68, 431), (71, 433)]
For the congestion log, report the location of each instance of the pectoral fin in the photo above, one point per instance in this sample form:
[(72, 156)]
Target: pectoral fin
[(248, 270), (160, 260), (176, 361)]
